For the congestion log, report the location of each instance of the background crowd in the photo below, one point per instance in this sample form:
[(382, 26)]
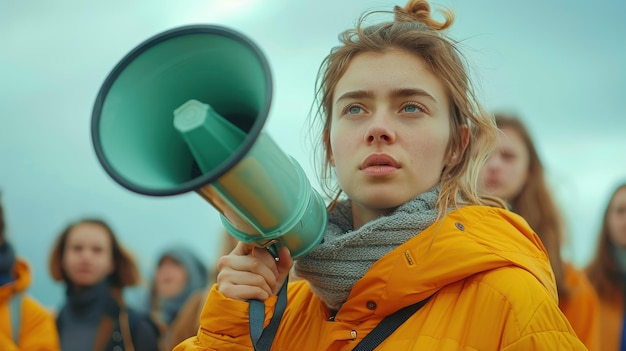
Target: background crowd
[(76, 263)]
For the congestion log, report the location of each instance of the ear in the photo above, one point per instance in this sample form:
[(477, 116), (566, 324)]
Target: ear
[(329, 151), (465, 135)]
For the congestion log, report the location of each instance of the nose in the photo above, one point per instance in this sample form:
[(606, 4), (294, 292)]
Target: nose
[(380, 130), (493, 163)]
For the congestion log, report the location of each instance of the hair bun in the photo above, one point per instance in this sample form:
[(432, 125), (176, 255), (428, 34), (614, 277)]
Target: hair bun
[(419, 11)]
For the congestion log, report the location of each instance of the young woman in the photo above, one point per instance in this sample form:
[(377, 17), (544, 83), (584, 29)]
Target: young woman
[(399, 130), (607, 272), (515, 173), (95, 268), (25, 325)]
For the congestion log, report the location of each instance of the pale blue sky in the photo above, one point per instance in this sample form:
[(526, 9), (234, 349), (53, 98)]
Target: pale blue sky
[(560, 64)]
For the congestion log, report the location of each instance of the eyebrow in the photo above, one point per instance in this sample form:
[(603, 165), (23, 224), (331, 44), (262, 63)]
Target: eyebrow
[(402, 92), (356, 94)]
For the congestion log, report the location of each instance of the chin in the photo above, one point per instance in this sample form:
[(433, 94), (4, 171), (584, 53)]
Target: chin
[(384, 202)]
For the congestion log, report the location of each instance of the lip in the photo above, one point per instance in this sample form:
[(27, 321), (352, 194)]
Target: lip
[(379, 165), (492, 182)]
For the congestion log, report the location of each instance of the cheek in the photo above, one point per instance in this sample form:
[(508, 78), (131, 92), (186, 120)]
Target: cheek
[(182, 277), (520, 173), (106, 263), (68, 260), (429, 151), (340, 149)]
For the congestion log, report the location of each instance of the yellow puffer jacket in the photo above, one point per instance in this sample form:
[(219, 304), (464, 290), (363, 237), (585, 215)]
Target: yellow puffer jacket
[(492, 287), (38, 330)]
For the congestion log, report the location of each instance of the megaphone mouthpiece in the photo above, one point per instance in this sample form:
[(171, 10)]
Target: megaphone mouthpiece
[(204, 130)]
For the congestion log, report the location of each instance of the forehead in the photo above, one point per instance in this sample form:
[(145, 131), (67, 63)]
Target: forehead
[(169, 260), (391, 69), (619, 198), (509, 138), (88, 232)]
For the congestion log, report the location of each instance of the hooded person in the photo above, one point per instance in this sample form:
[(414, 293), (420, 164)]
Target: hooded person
[(179, 274)]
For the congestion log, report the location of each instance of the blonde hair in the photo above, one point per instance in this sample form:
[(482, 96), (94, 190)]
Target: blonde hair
[(415, 31)]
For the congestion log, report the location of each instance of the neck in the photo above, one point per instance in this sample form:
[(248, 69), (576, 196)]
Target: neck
[(619, 254), (7, 262), (362, 215)]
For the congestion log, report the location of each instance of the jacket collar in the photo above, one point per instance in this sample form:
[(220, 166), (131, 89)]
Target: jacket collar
[(467, 241)]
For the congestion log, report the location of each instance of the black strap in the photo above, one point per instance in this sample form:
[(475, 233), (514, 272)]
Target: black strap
[(262, 339), (387, 326)]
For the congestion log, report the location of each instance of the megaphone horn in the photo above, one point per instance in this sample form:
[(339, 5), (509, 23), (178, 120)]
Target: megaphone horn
[(184, 111)]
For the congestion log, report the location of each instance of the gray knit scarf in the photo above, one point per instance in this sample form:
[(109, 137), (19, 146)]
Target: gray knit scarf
[(345, 255)]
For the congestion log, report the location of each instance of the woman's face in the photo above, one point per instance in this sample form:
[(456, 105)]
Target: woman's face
[(88, 256), (616, 219), (170, 279), (506, 171), (389, 131)]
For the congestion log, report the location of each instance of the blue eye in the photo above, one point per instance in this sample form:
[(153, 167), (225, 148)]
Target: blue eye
[(410, 108), (353, 110), (413, 107)]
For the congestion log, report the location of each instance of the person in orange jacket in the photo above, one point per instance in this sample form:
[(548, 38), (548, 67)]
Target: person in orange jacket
[(414, 257), (607, 272), (25, 325), (515, 173)]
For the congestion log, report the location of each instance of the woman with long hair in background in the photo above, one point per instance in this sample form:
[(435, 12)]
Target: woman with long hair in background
[(515, 173), (607, 272)]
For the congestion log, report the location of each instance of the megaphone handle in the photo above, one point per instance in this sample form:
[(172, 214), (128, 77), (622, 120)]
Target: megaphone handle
[(272, 247), (262, 339)]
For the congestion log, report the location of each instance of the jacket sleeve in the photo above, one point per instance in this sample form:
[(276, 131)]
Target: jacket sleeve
[(38, 330), (582, 308), (546, 329), (224, 325)]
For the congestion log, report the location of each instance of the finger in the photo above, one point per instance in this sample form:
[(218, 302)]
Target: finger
[(262, 263), (242, 285), (259, 270), (243, 249), (243, 292)]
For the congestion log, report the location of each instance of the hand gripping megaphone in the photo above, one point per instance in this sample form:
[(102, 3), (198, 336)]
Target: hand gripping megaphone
[(184, 111)]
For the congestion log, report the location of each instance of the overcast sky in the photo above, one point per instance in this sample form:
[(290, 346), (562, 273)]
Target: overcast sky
[(559, 64)]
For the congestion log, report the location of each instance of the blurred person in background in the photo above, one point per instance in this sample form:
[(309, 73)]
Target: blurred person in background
[(515, 173), (607, 272), (178, 275), (88, 258), (187, 322), (25, 325)]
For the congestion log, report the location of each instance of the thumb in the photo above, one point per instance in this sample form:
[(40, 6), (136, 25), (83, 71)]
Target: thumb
[(243, 249)]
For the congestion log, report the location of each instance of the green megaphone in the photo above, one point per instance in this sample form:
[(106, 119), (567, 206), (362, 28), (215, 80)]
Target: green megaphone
[(184, 111)]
